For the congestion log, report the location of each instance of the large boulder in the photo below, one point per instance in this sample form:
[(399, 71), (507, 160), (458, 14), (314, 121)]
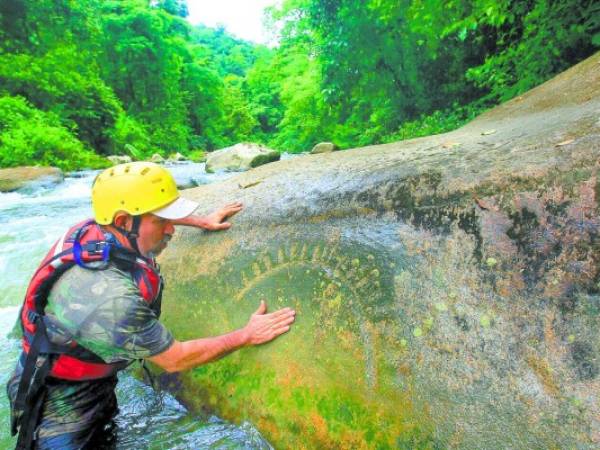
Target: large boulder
[(446, 288), (23, 177), (240, 157), (324, 147)]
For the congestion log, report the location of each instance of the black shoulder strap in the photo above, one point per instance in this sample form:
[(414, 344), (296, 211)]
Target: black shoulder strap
[(123, 258), (33, 404), (37, 364), (43, 352), (31, 390)]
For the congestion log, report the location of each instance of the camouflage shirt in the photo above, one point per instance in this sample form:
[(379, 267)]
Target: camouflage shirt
[(106, 314)]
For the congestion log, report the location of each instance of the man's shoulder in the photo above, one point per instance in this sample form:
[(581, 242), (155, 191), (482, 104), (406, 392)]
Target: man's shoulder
[(82, 295), (109, 281)]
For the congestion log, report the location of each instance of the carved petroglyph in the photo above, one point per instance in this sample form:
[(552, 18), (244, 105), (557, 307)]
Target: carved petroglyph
[(348, 289)]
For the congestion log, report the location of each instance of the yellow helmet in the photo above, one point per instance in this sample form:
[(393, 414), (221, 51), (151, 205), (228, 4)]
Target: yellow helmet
[(137, 188)]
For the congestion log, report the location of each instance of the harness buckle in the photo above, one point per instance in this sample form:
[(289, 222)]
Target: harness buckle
[(33, 316), (92, 248), (98, 247)]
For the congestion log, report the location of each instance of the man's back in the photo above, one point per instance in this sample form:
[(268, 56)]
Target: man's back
[(105, 313)]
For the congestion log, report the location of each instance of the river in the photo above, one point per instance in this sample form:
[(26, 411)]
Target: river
[(30, 221)]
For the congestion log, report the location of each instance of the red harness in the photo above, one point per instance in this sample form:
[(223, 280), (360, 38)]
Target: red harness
[(58, 354), (82, 244)]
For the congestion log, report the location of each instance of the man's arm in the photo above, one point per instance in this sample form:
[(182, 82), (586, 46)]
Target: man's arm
[(261, 328), (213, 221)]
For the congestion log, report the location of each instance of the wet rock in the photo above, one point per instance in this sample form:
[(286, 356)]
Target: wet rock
[(23, 177), (157, 158), (119, 159), (585, 360), (176, 157), (240, 157), (324, 147), (444, 299), (185, 183)]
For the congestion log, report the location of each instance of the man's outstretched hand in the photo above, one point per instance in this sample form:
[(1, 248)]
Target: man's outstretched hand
[(264, 327), (214, 221)]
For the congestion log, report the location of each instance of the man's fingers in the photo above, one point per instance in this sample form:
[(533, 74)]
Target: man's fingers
[(235, 205), (229, 211), (281, 330), (262, 308), (281, 316), (264, 327), (272, 318), (222, 214), (282, 322), (286, 320), (222, 226), (282, 312)]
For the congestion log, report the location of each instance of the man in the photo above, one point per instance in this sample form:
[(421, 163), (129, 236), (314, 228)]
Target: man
[(92, 307)]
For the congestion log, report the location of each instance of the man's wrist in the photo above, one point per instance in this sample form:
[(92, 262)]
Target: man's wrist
[(203, 222), (193, 221), (242, 337)]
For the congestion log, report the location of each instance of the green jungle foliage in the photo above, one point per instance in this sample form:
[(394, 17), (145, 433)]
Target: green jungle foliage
[(29, 135), (86, 79)]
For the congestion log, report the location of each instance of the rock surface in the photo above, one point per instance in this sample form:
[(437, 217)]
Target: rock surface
[(22, 177), (176, 157), (119, 159), (446, 288), (240, 157), (323, 147), (157, 158)]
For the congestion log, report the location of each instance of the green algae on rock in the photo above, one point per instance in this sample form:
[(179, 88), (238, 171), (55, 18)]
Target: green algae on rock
[(407, 335)]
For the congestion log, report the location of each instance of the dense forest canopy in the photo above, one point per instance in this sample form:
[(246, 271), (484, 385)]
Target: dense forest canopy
[(83, 79)]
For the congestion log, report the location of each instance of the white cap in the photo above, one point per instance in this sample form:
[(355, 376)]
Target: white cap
[(178, 209)]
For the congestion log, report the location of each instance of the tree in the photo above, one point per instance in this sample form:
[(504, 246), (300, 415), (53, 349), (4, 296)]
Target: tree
[(174, 7)]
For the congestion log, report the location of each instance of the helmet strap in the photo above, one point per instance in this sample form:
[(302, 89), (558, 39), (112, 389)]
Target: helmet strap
[(132, 234)]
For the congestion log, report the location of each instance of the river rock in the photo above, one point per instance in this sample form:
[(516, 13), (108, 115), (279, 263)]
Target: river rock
[(157, 158), (176, 157), (24, 177), (119, 159), (324, 147), (240, 157), (446, 287)]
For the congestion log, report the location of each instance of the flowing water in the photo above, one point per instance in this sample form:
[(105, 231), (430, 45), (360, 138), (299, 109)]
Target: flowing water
[(30, 221)]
